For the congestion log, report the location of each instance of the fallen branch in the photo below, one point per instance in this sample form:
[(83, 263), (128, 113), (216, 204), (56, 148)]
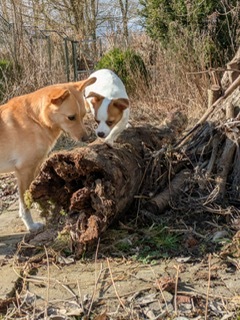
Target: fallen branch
[(161, 201)]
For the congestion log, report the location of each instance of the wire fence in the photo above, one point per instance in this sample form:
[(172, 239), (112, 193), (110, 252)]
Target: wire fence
[(49, 51)]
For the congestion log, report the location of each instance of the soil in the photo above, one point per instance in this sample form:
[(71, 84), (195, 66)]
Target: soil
[(124, 277)]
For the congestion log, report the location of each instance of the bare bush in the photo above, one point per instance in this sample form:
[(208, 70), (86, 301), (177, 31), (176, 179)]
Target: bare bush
[(36, 58), (39, 59), (174, 82)]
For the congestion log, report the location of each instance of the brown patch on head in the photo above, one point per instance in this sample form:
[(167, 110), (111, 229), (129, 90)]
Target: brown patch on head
[(96, 101), (121, 103), (114, 114)]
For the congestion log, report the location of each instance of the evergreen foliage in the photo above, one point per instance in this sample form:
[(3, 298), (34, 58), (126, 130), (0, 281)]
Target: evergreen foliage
[(214, 23)]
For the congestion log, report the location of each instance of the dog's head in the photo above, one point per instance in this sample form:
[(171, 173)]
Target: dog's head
[(66, 108), (107, 112)]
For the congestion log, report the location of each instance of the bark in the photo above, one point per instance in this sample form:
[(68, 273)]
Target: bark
[(213, 94), (162, 200), (96, 184), (233, 71)]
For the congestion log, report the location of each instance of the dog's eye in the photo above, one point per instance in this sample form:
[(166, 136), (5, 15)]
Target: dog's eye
[(71, 118), (109, 123), (97, 121)]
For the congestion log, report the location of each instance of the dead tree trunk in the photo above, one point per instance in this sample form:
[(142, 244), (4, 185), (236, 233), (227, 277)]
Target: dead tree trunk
[(95, 184)]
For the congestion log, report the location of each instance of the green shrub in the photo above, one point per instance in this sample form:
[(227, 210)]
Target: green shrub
[(128, 65), (215, 24), (6, 68)]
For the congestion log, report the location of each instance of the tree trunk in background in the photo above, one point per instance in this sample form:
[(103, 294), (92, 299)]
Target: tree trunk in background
[(77, 9), (18, 32), (124, 10)]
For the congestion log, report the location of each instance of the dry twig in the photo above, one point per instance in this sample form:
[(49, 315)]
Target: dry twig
[(115, 289)]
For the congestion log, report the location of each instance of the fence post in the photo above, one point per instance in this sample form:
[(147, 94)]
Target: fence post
[(67, 59), (49, 51), (74, 55)]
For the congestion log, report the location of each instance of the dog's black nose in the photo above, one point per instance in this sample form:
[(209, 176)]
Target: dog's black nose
[(101, 134)]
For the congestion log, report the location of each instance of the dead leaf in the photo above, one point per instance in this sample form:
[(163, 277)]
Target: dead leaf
[(102, 316), (147, 299), (236, 300), (149, 313), (183, 259), (183, 299), (191, 242), (231, 251), (5, 303), (165, 283)]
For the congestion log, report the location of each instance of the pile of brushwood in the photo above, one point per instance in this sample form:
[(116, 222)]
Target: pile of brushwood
[(84, 190)]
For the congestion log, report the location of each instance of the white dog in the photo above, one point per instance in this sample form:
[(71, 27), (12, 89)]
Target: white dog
[(109, 103)]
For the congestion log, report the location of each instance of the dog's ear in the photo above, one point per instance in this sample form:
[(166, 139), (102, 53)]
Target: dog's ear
[(58, 95), (121, 103), (96, 98), (81, 85)]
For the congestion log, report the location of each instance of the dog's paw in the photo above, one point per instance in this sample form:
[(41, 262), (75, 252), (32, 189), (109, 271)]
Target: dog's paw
[(36, 226), (109, 142)]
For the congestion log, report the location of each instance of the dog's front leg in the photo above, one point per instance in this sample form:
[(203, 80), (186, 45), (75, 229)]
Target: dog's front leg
[(24, 179)]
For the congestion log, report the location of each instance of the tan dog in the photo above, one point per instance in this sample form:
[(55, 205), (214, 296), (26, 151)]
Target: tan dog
[(29, 127)]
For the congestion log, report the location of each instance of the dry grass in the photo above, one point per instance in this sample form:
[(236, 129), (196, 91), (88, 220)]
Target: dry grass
[(175, 83), (31, 65), (171, 86)]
